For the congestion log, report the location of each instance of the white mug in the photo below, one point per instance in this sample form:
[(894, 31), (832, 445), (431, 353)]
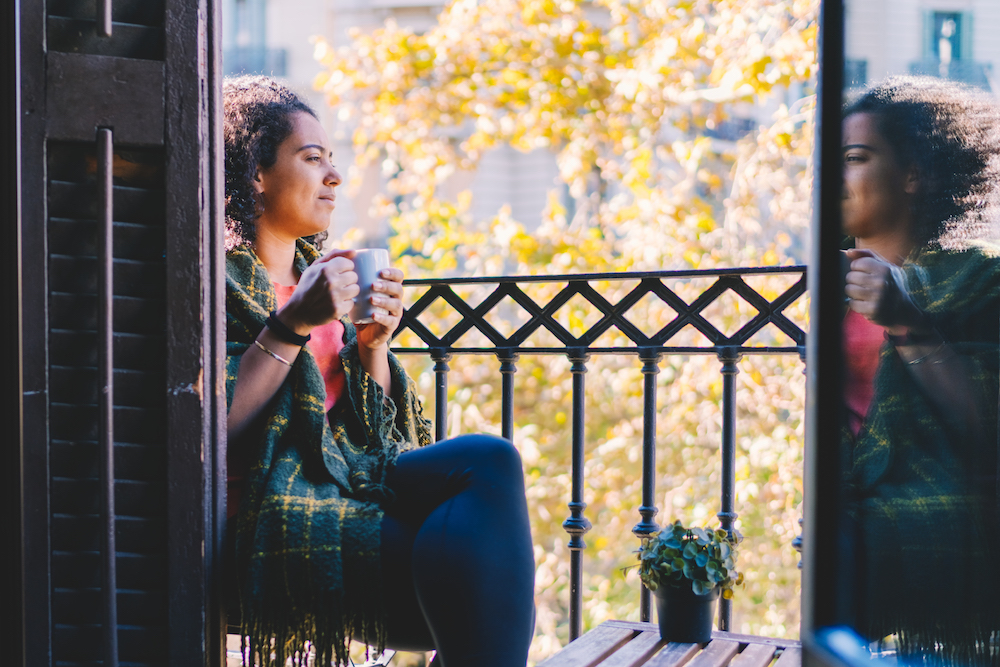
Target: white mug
[(367, 264)]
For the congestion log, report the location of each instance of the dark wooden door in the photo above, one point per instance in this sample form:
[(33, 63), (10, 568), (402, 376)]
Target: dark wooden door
[(121, 331)]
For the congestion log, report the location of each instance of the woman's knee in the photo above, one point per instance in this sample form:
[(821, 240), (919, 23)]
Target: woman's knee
[(491, 452)]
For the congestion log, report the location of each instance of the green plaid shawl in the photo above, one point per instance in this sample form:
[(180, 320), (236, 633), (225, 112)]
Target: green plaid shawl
[(307, 536), (922, 485)]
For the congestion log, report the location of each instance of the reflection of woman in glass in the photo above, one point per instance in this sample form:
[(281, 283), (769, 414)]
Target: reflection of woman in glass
[(922, 330), (348, 526)]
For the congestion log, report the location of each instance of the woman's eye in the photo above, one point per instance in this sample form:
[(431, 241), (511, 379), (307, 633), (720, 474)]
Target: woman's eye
[(314, 158)]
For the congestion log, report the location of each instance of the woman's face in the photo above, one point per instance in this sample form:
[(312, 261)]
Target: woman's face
[(877, 188), (298, 189)]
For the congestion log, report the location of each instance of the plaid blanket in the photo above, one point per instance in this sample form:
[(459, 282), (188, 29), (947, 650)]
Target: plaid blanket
[(307, 535), (922, 485)]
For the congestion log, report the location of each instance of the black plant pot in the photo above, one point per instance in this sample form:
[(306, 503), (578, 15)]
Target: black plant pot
[(685, 617)]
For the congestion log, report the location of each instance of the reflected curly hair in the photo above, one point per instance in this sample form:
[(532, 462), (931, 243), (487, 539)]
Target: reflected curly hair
[(951, 134), (257, 113)]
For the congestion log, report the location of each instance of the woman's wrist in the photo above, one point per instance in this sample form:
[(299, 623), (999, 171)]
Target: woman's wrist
[(905, 336), (375, 361), (372, 355), (287, 319), (275, 345)]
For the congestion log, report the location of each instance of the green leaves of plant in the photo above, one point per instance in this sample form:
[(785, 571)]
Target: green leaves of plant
[(702, 535), (706, 558)]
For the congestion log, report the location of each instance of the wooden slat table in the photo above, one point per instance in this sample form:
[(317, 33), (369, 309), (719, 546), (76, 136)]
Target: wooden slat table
[(630, 644)]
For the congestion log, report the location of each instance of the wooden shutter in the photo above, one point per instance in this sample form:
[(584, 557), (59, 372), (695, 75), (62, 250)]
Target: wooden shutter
[(122, 333)]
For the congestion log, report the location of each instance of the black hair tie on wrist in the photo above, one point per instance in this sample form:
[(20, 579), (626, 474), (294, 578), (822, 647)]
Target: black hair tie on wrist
[(279, 329), (909, 338)]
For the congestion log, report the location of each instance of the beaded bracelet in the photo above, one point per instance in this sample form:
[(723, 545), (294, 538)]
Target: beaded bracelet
[(279, 329)]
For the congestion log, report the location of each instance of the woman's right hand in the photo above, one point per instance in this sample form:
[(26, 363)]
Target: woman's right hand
[(325, 292), (875, 288)]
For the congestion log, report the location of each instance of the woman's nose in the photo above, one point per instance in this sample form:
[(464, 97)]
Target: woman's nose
[(333, 177)]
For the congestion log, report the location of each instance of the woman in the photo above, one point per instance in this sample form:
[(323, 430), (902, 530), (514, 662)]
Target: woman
[(921, 176), (348, 526)]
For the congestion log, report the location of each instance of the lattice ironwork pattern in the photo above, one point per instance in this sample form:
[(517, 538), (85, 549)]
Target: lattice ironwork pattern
[(544, 316)]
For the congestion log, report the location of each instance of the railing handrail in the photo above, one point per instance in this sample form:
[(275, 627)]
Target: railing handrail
[(616, 275)]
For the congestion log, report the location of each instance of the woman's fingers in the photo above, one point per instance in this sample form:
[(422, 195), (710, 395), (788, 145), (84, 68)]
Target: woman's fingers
[(387, 297), (866, 282), (342, 287), (876, 289), (332, 266), (392, 274), (333, 254), (388, 291)]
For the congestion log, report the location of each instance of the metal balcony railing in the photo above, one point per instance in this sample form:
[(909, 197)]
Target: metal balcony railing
[(419, 319)]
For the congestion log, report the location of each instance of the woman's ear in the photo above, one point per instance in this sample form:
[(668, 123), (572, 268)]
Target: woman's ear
[(258, 182)]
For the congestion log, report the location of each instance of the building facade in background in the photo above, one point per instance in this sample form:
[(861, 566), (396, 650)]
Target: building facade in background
[(955, 39), (948, 38)]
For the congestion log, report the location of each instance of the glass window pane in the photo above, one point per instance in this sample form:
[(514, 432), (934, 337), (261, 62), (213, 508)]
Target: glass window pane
[(921, 332)]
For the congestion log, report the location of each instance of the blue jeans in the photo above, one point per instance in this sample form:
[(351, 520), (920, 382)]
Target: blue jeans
[(457, 561)]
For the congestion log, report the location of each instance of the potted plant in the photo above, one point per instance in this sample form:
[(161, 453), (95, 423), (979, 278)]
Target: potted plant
[(687, 569)]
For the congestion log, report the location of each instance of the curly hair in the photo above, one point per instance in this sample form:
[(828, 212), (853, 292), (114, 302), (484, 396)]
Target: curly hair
[(257, 113), (951, 135)]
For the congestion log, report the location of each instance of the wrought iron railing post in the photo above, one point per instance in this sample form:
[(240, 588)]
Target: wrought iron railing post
[(508, 367), (797, 540), (441, 359), (729, 356), (647, 511), (577, 524)]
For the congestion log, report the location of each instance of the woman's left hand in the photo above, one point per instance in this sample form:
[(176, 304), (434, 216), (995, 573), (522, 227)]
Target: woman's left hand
[(387, 298)]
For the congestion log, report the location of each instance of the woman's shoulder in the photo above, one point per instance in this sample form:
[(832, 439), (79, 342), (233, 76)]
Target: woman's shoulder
[(241, 263), (973, 259), (249, 292), (959, 282)]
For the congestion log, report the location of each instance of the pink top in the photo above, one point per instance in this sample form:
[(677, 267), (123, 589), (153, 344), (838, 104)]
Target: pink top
[(326, 343), (862, 341)]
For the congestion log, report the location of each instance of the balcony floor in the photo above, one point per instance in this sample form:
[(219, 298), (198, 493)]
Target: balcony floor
[(631, 644)]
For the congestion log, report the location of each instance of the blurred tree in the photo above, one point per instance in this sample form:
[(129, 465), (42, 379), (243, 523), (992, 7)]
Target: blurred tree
[(637, 98)]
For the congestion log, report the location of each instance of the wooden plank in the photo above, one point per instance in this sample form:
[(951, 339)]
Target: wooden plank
[(754, 639), (717, 653), (591, 648), (674, 655), (636, 652), (754, 655), (638, 626), (790, 657), (716, 634)]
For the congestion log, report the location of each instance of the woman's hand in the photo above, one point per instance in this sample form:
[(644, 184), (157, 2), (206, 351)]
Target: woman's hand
[(875, 289), (325, 293), (373, 338), (387, 298)]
